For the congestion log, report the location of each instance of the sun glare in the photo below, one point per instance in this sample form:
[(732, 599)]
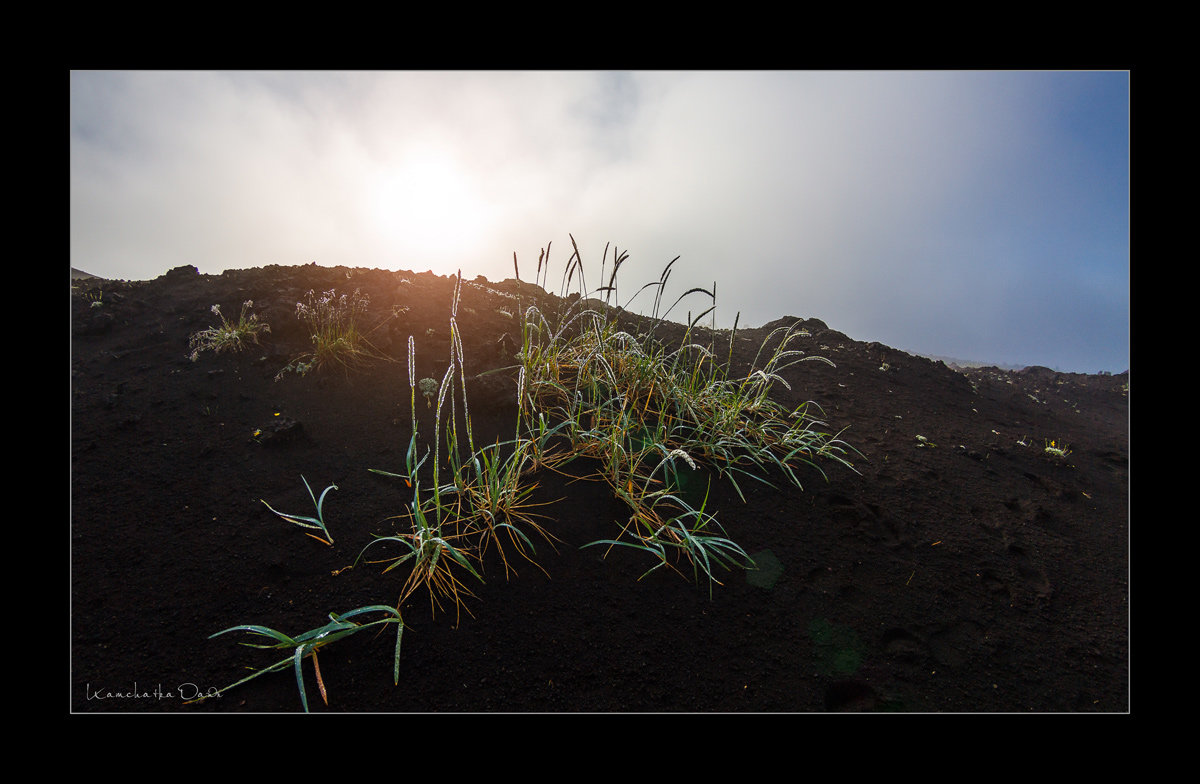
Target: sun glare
[(428, 212)]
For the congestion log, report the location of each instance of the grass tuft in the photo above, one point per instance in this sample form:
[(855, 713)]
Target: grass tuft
[(229, 336), (643, 408), (336, 331)]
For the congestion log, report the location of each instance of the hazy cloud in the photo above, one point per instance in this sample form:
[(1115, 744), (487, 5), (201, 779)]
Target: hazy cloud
[(974, 214)]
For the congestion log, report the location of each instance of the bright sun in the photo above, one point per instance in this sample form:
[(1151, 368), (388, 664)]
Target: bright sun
[(428, 210)]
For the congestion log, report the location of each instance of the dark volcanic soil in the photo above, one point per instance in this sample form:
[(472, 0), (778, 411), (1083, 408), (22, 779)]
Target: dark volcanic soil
[(977, 575)]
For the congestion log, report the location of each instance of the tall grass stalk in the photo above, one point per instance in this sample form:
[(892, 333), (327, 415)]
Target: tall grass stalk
[(478, 497)]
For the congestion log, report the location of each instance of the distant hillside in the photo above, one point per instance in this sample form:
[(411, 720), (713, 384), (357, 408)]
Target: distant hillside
[(967, 363)]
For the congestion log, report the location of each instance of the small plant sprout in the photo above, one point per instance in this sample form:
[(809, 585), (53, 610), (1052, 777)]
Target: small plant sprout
[(1057, 450), (307, 644), (923, 442), (317, 522), (230, 335)]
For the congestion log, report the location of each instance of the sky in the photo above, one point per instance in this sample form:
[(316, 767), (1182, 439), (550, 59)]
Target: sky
[(980, 215)]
